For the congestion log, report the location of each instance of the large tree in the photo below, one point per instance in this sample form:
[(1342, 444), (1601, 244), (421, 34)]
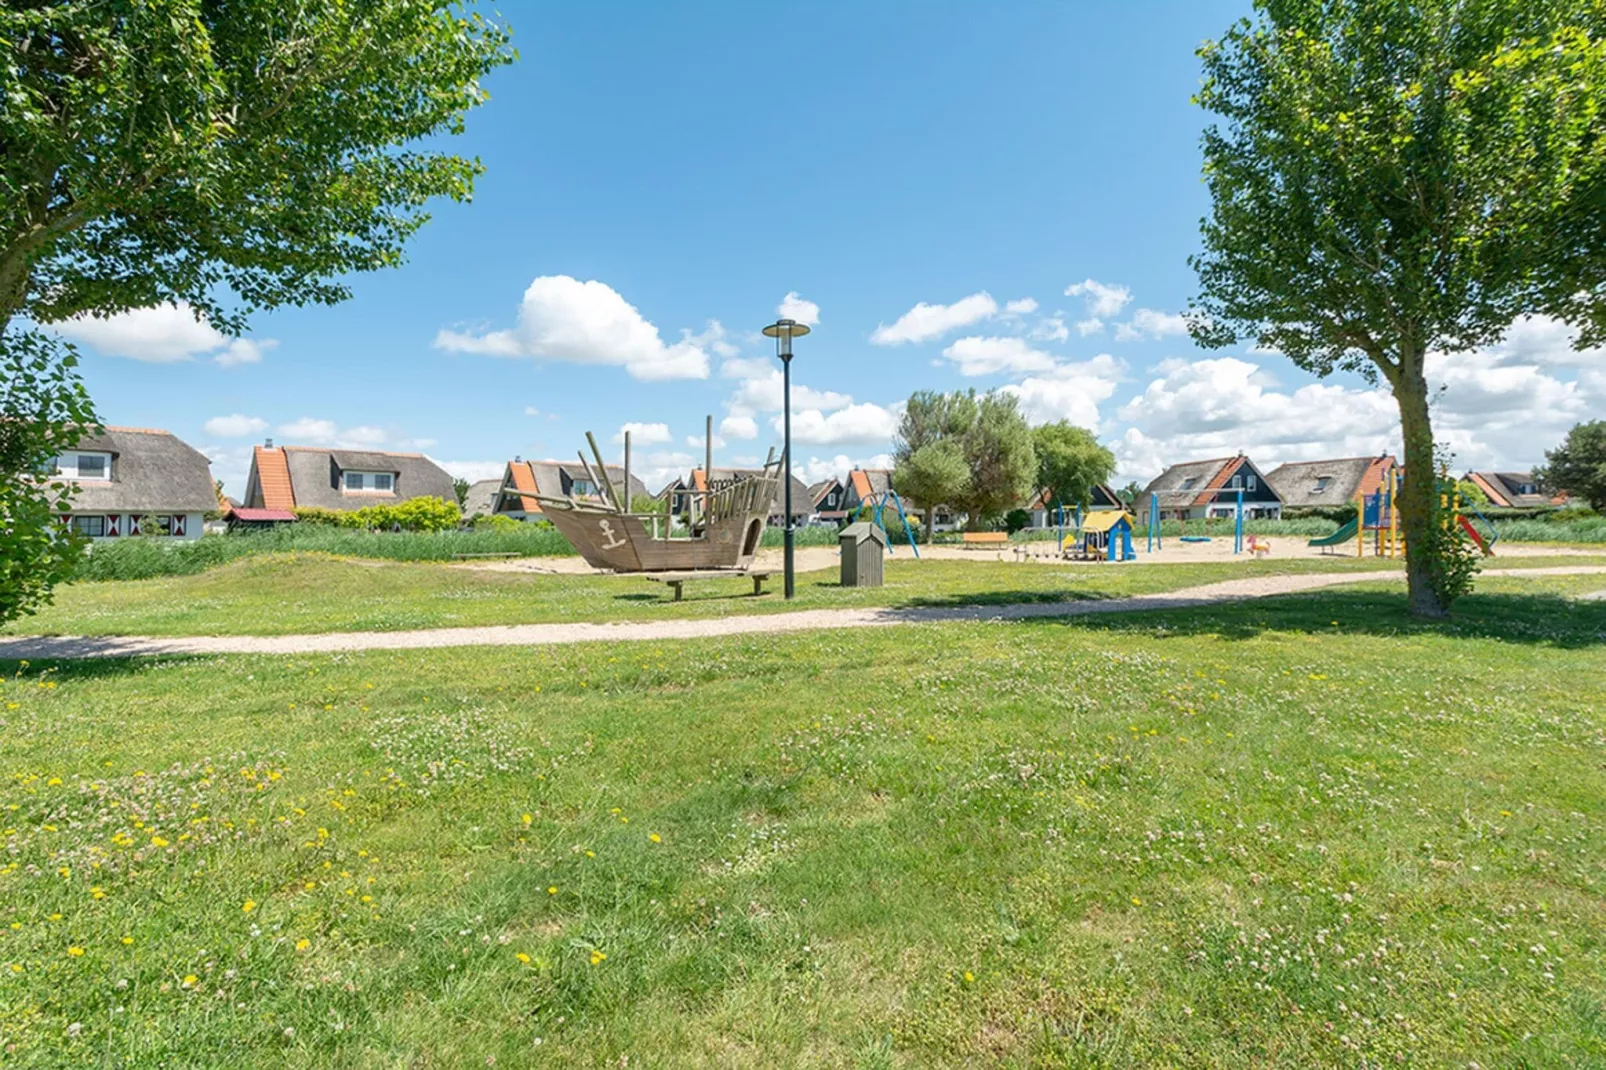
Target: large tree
[(1578, 465), (972, 451), (1071, 462), (230, 157), (929, 466), (1391, 178)]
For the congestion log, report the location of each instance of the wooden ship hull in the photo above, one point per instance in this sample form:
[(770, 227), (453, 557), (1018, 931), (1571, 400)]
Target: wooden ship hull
[(727, 523)]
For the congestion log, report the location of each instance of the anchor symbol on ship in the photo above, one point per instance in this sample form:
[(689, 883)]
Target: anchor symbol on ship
[(615, 540)]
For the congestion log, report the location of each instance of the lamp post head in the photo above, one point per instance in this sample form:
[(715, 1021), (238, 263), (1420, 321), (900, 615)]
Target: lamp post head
[(783, 331)]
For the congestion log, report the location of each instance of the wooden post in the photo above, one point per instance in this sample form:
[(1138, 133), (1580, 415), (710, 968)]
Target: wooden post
[(708, 465), (602, 470), (627, 471)]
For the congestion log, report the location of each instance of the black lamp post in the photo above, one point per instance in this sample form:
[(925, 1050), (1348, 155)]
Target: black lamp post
[(783, 331)]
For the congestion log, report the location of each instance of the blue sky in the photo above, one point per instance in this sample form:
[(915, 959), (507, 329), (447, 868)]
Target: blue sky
[(661, 177)]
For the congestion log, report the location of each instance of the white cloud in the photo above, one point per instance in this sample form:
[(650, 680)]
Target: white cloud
[(644, 435), (1068, 392), (1050, 329), (742, 427), (663, 467), (244, 351), (163, 334), (817, 469), (1094, 325), (531, 410), (562, 318), (989, 356), (861, 423), (1216, 407), (309, 431), (793, 307), (763, 393), (925, 322), (1546, 342), (696, 441), (1147, 323), (1025, 306), (1103, 299), (473, 471), (235, 426)]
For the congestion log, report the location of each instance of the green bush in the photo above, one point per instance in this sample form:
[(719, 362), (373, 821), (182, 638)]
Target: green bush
[(414, 514)]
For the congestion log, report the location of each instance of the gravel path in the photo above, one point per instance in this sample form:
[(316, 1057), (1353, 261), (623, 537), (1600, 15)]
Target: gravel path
[(72, 647)]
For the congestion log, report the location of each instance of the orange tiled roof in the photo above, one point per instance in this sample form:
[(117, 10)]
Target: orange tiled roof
[(1496, 496), (273, 476), (138, 430), (1372, 480), (1232, 465), (699, 479), (524, 480), (861, 483)]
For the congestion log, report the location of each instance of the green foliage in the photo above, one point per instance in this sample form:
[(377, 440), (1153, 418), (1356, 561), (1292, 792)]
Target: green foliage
[(1396, 177), (43, 407), (647, 504), (998, 448), (235, 156), (1578, 465), (935, 474), (414, 514), (460, 490), (1470, 492), (986, 432), (496, 522), (1017, 520), (1456, 562), (1070, 463)]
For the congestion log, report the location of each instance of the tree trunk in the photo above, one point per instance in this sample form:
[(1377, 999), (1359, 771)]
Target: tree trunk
[(931, 515), (1418, 502)]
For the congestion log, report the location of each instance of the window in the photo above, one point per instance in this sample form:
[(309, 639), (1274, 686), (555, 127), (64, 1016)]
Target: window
[(1189, 483), (380, 481), (1249, 481), (91, 466), (1323, 482), (581, 488), (92, 526)]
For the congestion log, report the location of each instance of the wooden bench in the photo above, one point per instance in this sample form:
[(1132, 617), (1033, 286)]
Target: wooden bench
[(985, 539), (677, 580)]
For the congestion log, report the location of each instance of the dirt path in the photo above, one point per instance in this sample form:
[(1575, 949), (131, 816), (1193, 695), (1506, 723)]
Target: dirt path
[(51, 648)]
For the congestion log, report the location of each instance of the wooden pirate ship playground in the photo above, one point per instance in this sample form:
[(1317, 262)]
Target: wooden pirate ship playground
[(726, 519)]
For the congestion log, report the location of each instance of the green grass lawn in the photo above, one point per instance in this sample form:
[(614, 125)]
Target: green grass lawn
[(1299, 832), (302, 593)]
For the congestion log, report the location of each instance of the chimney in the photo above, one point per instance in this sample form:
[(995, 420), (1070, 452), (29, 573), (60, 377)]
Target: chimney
[(268, 444)]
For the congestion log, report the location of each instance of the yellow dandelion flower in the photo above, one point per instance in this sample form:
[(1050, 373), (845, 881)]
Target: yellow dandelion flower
[(970, 978), (75, 951), (189, 980), (597, 957), (552, 889), (655, 838), (248, 906), (522, 957), (1136, 901), (157, 841), (303, 944), (128, 940), (527, 820)]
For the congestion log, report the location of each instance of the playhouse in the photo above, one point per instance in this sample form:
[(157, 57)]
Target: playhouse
[(1105, 535)]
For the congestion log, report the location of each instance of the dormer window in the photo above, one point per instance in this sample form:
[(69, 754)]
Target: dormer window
[(1189, 483), (85, 466), (1323, 482), (384, 482)]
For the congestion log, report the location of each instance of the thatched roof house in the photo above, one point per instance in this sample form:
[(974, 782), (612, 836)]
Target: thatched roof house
[(1330, 484), (302, 477), (481, 498), (137, 481), (522, 480), (1513, 490), (1201, 489)]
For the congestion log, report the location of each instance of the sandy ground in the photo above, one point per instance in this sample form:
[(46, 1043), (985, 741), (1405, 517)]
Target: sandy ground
[(528, 635), (813, 558)]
